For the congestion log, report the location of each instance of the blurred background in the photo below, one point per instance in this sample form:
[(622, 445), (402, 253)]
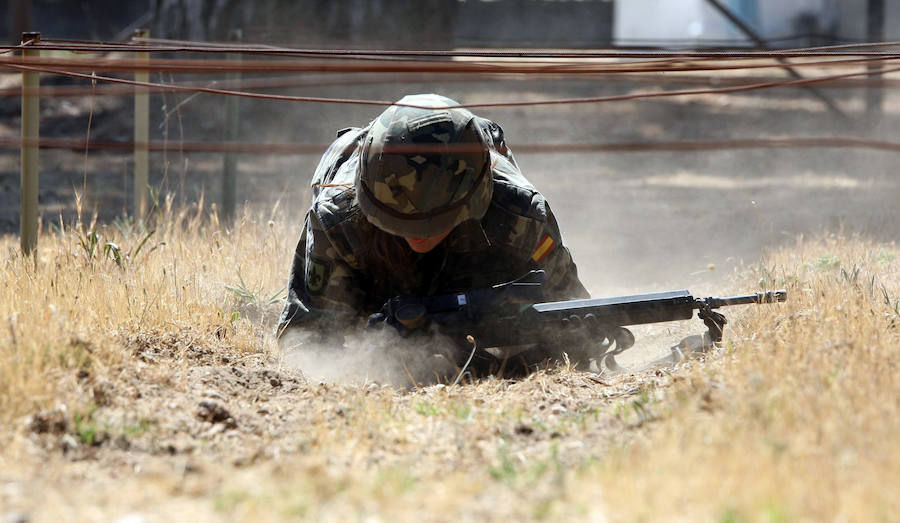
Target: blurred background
[(636, 219), (444, 24)]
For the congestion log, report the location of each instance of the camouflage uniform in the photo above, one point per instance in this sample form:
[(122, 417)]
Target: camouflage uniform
[(335, 279)]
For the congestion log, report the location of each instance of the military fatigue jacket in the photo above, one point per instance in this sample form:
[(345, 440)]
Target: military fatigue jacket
[(336, 277)]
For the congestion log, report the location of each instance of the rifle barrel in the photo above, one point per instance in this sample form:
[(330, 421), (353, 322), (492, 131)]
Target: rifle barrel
[(745, 299)]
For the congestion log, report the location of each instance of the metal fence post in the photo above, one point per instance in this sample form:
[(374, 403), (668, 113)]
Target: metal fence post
[(141, 132), (874, 34), (30, 142), (232, 129)]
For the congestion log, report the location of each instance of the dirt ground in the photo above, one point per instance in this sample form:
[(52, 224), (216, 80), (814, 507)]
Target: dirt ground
[(180, 434)]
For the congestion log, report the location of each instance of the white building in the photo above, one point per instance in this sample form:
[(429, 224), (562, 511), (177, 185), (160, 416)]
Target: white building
[(695, 22)]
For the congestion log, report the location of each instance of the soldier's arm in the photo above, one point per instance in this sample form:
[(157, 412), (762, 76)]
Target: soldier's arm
[(550, 252), (521, 218), (551, 255), (323, 290)]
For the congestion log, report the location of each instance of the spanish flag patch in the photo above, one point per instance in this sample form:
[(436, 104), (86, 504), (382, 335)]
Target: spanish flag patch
[(543, 249)]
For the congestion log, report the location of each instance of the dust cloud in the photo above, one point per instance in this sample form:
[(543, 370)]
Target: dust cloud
[(371, 357)]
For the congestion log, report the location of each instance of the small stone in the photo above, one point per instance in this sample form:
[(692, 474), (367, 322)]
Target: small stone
[(524, 430), (12, 491), (54, 421), (121, 443), (67, 443), (131, 518), (216, 429), (213, 412), (102, 393), (212, 394), (147, 356), (15, 517)]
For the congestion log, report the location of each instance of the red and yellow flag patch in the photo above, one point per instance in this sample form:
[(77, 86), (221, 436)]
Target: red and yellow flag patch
[(543, 249)]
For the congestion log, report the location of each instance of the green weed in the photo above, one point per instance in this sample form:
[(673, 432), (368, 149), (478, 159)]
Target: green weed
[(250, 297), (426, 409), (89, 244), (462, 411), (884, 257), (732, 515), (229, 500), (827, 262), (86, 428), (141, 427), (850, 277), (505, 471)]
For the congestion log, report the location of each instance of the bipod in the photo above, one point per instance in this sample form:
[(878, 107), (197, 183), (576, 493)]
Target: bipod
[(619, 339)]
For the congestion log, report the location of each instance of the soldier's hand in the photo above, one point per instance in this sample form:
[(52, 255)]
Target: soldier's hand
[(385, 317), (376, 321)]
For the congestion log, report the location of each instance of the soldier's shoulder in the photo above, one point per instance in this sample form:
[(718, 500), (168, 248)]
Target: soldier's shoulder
[(516, 219), (336, 206), (340, 222), (334, 197), (514, 195), (343, 149)]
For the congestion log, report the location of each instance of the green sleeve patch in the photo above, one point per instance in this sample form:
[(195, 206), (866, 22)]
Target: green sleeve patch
[(317, 273)]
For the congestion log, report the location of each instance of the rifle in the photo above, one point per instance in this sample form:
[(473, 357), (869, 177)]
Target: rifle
[(514, 314)]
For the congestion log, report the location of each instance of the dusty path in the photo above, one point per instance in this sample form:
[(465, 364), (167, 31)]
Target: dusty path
[(186, 429)]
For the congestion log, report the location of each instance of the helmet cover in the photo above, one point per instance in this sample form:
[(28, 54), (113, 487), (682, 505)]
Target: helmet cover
[(422, 172)]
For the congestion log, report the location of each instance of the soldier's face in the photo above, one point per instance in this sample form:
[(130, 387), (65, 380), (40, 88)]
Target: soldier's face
[(423, 245)]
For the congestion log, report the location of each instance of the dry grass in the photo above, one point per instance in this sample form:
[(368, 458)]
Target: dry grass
[(795, 420), (799, 420), (90, 288)]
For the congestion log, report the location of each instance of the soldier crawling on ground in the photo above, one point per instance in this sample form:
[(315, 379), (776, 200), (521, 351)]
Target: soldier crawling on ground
[(425, 200)]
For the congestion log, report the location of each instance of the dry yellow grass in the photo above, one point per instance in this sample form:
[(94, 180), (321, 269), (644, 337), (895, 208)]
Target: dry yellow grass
[(68, 310), (796, 419), (800, 419)]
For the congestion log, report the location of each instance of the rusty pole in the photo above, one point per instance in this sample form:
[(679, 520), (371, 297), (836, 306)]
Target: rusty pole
[(30, 136), (232, 130), (874, 33), (141, 133)]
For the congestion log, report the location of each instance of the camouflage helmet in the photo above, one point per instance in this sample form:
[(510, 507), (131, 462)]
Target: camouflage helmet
[(422, 172)]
